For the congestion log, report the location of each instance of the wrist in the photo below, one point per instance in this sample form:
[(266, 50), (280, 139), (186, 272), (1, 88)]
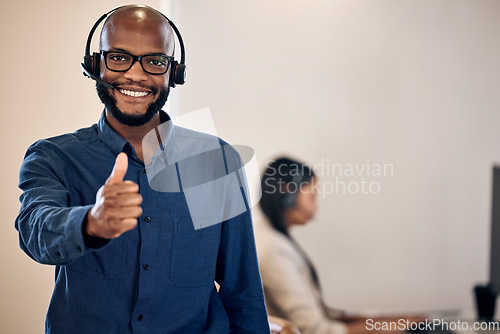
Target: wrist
[(88, 224), (90, 239)]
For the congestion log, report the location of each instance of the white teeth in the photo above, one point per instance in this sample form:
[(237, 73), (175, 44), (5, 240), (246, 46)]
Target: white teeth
[(133, 93)]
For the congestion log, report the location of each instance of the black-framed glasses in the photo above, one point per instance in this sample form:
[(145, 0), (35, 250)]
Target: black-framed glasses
[(153, 63)]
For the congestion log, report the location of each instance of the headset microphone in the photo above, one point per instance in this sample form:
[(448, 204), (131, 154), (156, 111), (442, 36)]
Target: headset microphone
[(93, 77)]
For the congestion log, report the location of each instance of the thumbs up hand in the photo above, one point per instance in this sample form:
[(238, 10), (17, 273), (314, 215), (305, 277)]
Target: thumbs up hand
[(117, 204)]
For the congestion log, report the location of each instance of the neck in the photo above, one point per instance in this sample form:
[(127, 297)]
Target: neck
[(134, 134), (287, 219)]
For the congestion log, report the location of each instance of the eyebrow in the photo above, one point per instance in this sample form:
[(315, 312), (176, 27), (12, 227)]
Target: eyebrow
[(147, 54), (118, 50)]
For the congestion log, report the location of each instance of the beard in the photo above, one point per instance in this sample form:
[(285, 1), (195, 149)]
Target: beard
[(132, 120)]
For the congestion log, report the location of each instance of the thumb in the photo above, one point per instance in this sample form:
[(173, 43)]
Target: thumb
[(119, 169)]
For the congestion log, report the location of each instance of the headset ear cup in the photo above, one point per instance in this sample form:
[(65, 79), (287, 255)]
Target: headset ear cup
[(87, 64), (288, 200), (96, 61), (173, 70), (177, 74), (180, 74)]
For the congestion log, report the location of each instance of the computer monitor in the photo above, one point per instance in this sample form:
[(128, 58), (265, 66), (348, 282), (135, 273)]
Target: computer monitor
[(486, 295), (495, 233)]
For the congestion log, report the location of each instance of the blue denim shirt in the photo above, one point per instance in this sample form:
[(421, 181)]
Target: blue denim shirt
[(156, 278)]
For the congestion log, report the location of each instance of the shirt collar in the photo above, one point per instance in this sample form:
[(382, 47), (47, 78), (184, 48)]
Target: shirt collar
[(113, 140)]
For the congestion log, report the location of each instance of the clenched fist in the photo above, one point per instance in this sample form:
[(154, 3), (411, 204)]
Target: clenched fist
[(117, 204)]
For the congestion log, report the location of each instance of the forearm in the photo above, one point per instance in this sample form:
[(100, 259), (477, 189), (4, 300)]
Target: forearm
[(52, 235), (300, 307)]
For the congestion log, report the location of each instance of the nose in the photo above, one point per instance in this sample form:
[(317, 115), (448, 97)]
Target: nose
[(136, 73)]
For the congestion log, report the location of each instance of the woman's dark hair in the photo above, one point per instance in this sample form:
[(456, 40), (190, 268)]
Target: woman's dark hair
[(280, 182)]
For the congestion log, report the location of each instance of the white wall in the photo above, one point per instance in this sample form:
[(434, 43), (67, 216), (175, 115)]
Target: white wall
[(409, 83), (413, 84)]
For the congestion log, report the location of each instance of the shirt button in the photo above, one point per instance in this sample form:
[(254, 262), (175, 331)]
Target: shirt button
[(140, 317), (147, 219), (146, 266)]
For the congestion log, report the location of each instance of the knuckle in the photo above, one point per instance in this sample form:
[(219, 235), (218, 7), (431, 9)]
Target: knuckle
[(106, 190), (138, 198), (130, 184), (137, 212), (108, 205), (132, 223), (107, 217)]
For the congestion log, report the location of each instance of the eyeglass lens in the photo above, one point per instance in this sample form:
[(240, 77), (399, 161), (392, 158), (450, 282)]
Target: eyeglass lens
[(155, 64)]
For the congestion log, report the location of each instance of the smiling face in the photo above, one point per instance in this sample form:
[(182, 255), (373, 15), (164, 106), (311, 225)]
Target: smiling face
[(138, 95)]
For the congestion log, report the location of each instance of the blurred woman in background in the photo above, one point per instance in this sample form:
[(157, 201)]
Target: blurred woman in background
[(291, 284)]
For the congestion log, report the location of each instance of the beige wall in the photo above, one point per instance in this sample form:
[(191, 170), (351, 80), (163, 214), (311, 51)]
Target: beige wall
[(413, 84)]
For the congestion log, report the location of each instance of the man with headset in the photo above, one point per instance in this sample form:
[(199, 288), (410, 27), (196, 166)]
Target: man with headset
[(128, 258)]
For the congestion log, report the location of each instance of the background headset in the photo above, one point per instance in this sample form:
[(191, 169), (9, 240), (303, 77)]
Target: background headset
[(289, 198), (90, 64)]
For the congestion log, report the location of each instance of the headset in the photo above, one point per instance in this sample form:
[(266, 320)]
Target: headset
[(289, 198), (91, 62)]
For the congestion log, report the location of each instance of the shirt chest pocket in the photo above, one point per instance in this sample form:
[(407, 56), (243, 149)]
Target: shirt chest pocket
[(194, 256)]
